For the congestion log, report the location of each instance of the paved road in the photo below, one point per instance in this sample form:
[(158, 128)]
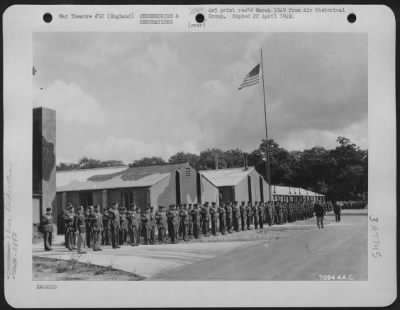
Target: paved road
[(340, 249)]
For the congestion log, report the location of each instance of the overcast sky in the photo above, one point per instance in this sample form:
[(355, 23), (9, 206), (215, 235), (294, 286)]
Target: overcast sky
[(128, 95)]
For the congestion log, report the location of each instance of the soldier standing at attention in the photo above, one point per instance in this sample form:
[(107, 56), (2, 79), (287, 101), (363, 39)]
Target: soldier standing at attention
[(229, 217), (255, 215), (196, 221), (161, 221), (235, 216), (123, 229), (89, 212), (203, 213), (135, 236), (140, 228), (80, 229), (96, 225), (278, 213), (249, 214), (243, 215), (153, 225), (106, 234), (146, 224), (222, 217), (115, 223), (129, 217), (214, 218), (260, 210), (208, 218), (190, 222), (184, 222), (69, 228), (172, 223), (47, 229)]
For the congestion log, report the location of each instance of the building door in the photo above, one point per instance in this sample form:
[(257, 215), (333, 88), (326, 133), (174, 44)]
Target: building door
[(86, 199), (227, 194), (178, 187), (128, 199)]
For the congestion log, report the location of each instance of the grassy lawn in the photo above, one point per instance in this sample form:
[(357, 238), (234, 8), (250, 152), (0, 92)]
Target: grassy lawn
[(51, 269)]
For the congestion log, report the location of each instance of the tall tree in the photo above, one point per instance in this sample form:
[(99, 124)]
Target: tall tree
[(192, 159)]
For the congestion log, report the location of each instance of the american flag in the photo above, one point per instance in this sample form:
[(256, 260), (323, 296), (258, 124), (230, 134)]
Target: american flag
[(252, 78)]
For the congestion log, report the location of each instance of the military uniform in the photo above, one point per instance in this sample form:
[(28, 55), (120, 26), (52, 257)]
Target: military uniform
[(248, 215), (260, 210), (69, 229), (214, 219), (47, 229), (115, 224), (204, 219), (228, 217), (255, 215), (243, 215), (184, 222), (278, 219), (161, 221), (235, 216), (196, 221), (96, 225), (80, 229), (190, 221), (106, 233), (89, 211), (133, 227), (146, 226), (173, 222), (319, 213), (123, 229), (153, 225), (222, 217)]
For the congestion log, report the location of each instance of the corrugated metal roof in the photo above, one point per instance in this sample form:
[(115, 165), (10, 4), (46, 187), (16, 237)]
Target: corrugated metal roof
[(292, 191), (67, 177), (226, 177), (138, 172), (116, 182)]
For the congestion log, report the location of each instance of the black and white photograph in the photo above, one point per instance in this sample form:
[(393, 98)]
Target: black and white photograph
[(212, 156), (199, 156)]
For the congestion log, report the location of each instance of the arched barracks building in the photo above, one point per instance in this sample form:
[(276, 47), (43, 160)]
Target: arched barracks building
[(237, 184), (292, 194)]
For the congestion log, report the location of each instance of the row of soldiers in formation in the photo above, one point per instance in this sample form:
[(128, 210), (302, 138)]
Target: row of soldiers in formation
[(353, 204), (118, 226)]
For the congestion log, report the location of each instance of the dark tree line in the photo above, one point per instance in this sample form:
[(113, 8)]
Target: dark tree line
[(340, 173)]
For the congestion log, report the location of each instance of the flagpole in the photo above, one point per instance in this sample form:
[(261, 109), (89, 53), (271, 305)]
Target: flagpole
[(267, 164)]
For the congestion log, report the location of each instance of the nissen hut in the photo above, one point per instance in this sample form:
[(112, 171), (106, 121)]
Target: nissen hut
[(139, 185), (237, 184)]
